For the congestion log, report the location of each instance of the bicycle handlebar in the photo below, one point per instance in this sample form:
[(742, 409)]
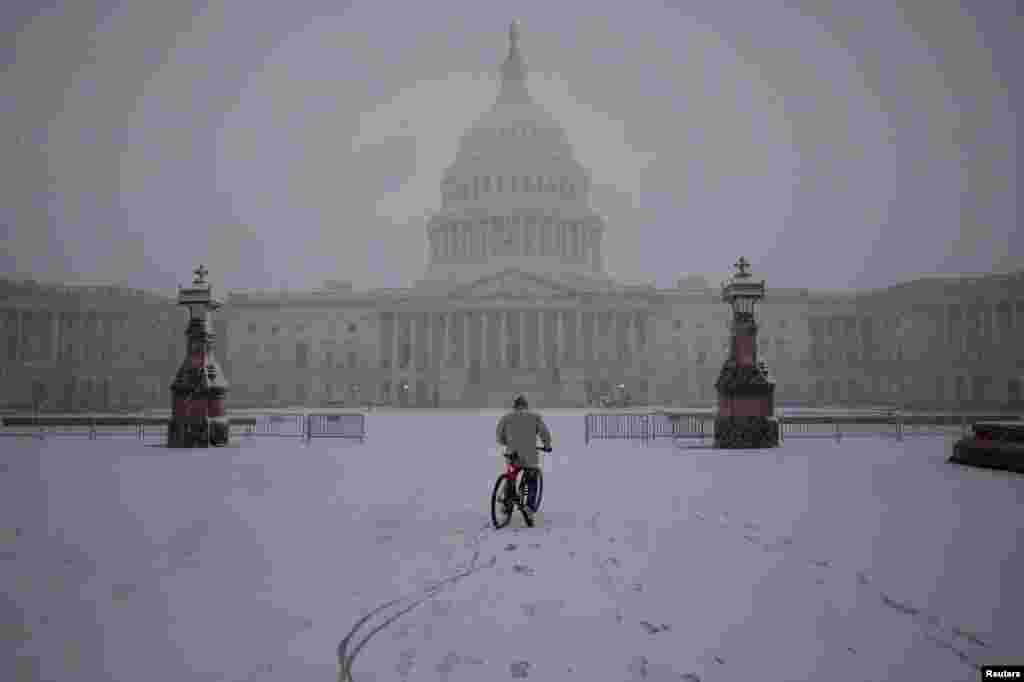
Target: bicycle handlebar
[(539, 447)]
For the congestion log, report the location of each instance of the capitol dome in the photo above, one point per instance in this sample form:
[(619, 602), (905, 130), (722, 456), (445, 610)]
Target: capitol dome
[(515, 196)]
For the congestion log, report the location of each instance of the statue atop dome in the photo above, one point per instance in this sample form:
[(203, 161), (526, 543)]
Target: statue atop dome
[(513, 71)]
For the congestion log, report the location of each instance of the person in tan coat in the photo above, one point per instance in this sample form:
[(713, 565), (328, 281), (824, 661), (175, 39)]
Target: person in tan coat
[(518, 431)]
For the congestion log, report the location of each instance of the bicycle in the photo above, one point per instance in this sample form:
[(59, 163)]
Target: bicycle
[(511, 491)]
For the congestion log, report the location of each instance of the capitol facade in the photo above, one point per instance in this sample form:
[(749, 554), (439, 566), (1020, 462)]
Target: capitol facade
[(515, 299)]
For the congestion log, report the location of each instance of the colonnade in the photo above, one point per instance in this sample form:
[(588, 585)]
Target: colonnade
[(511, 339), (521, 236)]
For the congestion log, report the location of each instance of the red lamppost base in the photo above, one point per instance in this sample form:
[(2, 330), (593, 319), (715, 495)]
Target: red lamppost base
[(198, 418), (746, 394), (746, 432)]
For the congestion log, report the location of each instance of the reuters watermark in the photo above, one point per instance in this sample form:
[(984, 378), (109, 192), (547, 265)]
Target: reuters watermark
[(1002, 672)]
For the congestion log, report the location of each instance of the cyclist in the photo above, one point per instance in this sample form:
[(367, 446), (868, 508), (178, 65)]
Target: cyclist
[(518, 431)]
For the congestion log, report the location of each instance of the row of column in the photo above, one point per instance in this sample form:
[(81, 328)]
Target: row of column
[(924, 330), (940, 388), (518, 339), (46, 336), (530, 236)]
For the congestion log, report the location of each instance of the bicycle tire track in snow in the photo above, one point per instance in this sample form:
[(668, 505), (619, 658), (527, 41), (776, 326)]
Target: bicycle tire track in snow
[(405, 604)]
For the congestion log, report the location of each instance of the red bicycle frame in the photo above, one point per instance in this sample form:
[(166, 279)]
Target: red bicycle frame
[(511, 471)]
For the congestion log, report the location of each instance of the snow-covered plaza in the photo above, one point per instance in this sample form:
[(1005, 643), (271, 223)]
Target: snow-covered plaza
[(862, 559)]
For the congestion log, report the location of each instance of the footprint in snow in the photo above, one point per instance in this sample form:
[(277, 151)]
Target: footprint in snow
[(510, 547), (522, 568), (903, 607), (406, 662), (638, 667), (970, 636), (821, 563), (520, 670), (448, 663)]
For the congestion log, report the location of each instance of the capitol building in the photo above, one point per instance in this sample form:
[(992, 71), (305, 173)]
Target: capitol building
[(514, 299)]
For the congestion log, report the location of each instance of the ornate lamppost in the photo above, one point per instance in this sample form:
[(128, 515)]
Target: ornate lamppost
[(746, 393), (198, 418)]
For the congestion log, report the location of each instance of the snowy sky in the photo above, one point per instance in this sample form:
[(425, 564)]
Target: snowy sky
[(841, 144)]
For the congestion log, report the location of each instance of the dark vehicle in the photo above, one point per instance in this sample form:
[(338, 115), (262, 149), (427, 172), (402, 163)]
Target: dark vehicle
[(993, 445)]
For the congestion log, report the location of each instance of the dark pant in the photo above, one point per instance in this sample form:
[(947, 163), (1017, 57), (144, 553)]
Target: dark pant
[(530, 479)]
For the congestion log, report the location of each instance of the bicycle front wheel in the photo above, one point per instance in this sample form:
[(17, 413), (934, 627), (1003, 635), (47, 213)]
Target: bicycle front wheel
[(501, 507), (539, 482)]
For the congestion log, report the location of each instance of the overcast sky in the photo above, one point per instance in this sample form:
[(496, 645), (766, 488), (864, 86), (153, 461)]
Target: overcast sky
[(835, 144)]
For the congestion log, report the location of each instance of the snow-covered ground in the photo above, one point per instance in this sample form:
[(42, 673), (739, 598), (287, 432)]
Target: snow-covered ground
[(865, 559)]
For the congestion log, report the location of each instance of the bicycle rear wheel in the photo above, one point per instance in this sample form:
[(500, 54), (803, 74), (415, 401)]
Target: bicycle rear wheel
[(501, 508), (539, 482)]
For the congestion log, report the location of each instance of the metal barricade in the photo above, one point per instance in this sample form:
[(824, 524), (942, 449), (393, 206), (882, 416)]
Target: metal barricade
[(282, 425), (336, 426), (643, 426)]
